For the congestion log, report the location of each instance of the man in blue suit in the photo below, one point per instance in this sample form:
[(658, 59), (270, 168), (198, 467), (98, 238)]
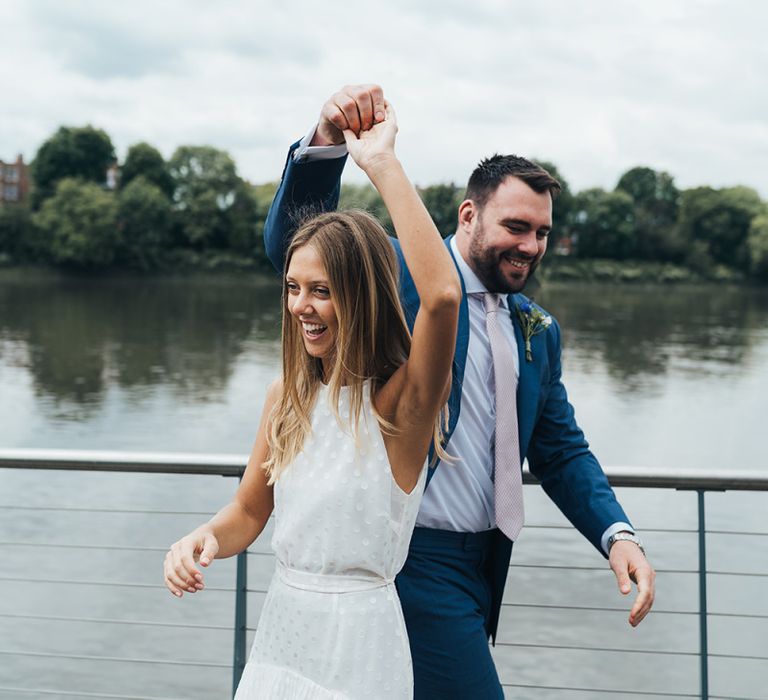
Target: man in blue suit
[(452, 584)]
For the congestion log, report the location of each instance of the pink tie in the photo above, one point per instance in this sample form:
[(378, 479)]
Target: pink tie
[(508, 478)]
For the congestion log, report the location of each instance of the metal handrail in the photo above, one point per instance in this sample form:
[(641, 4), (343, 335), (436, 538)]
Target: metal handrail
[(699, 481), (234, 465)]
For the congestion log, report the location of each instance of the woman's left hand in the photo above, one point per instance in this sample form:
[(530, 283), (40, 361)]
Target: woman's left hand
[(375, 147)]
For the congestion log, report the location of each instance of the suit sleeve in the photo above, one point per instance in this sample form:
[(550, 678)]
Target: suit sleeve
[(306, 188), (560, 458)]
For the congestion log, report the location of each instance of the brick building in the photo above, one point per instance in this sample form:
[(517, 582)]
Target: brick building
[(14, 181)]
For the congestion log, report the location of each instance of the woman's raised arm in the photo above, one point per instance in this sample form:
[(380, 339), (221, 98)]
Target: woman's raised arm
[(426, 382)]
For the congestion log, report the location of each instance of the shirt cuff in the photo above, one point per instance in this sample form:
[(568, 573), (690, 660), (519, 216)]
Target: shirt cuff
[(306, 153), (612, 530)]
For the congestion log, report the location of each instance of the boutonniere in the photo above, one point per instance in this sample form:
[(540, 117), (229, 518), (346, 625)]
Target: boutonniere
[(532, 320)]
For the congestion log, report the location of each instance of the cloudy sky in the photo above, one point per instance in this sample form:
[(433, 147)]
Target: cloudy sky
[(593, 86)]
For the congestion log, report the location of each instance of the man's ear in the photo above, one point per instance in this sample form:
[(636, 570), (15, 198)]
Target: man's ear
[(467, 214)]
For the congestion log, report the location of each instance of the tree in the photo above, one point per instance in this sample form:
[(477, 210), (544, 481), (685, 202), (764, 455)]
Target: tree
[(206, 185), (562, 207), (263, 196), (365, 197), (715, 223), (144, 217), (757, 242), (80, 222), (145, 160), (79, 152), (656, 200), (243, 229), (442, 202), (604, 223), (15, 229), (651, 189)]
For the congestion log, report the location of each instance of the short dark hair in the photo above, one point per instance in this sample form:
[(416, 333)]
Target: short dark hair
[(491, 172)]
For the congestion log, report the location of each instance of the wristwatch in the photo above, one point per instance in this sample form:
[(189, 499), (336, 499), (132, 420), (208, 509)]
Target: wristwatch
[(628, 536)]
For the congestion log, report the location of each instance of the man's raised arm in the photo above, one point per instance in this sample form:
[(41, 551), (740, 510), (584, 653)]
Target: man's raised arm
[(311, 180)]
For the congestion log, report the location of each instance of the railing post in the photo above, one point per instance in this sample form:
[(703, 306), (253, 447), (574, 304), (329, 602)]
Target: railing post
[(241, 592), (241, 584), (703, 644)]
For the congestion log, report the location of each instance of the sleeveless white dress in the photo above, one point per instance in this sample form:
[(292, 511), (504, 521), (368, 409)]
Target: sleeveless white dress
[(331, 627)]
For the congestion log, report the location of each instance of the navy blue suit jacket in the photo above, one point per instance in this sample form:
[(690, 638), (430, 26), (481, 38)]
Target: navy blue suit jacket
[(558, 454)]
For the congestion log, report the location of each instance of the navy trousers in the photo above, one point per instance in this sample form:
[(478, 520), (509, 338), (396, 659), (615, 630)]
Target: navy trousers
[(446, 593)]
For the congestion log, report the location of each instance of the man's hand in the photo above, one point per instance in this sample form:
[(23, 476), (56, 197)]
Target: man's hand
[(374, 149), (354, 107), (629, 564)]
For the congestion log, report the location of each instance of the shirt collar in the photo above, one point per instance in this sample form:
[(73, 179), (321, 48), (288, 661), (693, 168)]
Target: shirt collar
[(472, 282)]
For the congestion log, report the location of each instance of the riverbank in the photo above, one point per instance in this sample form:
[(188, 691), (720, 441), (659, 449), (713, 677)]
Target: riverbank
[(172, 262), (553, 269), (567, 269)]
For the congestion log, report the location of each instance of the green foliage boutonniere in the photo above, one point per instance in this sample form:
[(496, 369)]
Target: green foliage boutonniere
[(532, 320)]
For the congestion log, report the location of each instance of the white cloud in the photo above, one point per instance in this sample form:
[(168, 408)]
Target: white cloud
[(594, 87)]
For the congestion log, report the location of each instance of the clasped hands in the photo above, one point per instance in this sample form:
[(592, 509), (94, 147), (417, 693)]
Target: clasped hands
[(359, 116)]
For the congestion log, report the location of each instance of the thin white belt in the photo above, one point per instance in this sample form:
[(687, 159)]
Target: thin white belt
[(330, 583)]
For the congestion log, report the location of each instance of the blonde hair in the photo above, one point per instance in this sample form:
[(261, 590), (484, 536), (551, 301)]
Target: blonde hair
[(372, 341)]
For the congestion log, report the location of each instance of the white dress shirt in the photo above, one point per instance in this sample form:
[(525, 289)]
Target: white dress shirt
[(460, 494)]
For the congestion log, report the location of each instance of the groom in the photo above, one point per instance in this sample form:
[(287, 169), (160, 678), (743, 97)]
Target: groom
[(452, 583)]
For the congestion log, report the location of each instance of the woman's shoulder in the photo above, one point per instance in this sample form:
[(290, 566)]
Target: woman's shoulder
[(274, 391)]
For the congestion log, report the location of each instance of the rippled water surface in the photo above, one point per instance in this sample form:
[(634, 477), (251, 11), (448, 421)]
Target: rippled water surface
[(660, 377)]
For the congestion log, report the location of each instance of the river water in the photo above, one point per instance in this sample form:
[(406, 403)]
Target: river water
[(660, 377)]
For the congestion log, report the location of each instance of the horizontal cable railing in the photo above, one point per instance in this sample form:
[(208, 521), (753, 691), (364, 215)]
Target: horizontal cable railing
[(233, 466)]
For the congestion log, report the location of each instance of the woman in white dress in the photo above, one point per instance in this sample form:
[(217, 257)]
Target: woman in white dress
[(341, 450)]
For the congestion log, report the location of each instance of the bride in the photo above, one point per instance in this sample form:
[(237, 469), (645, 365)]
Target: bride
[(341, 451)]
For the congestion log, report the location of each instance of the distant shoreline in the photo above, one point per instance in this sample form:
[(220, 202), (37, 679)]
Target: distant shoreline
[(559, 269), (567, 269)]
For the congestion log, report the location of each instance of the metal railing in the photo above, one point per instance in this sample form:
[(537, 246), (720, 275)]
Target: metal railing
[(233, 466)]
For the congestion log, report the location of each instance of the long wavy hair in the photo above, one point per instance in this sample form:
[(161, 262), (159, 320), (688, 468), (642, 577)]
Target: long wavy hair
[(372, 340)]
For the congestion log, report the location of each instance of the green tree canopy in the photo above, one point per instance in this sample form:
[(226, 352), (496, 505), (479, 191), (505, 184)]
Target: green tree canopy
[(15, 225), (206, 186), (715, 224), (365, 197), (146, 161), (80, 222), (604, 223), (442, 202), (563, 207), (651, 189), (263, 195), (80, 152), (757, 242), (145, 219), (657, 200), (246, 222)]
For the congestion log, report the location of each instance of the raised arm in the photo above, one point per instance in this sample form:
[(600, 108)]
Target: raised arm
[(422, 384), (312, 183), (234, 527)]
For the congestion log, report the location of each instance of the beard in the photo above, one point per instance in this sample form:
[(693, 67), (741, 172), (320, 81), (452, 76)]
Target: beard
[(486, 264)]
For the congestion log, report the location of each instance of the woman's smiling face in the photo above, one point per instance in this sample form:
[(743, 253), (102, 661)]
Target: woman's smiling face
[(309, 302)]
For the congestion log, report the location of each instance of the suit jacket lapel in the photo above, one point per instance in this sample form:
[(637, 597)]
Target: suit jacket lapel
[(462, 334), (528, 383), (459, 362)]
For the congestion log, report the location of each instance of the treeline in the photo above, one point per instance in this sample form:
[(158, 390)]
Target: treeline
[(716, 233), (152, 214), (195, 210)]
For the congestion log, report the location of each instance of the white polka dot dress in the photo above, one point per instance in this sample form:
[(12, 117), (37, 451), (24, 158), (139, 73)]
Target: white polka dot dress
[(332, 626)]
